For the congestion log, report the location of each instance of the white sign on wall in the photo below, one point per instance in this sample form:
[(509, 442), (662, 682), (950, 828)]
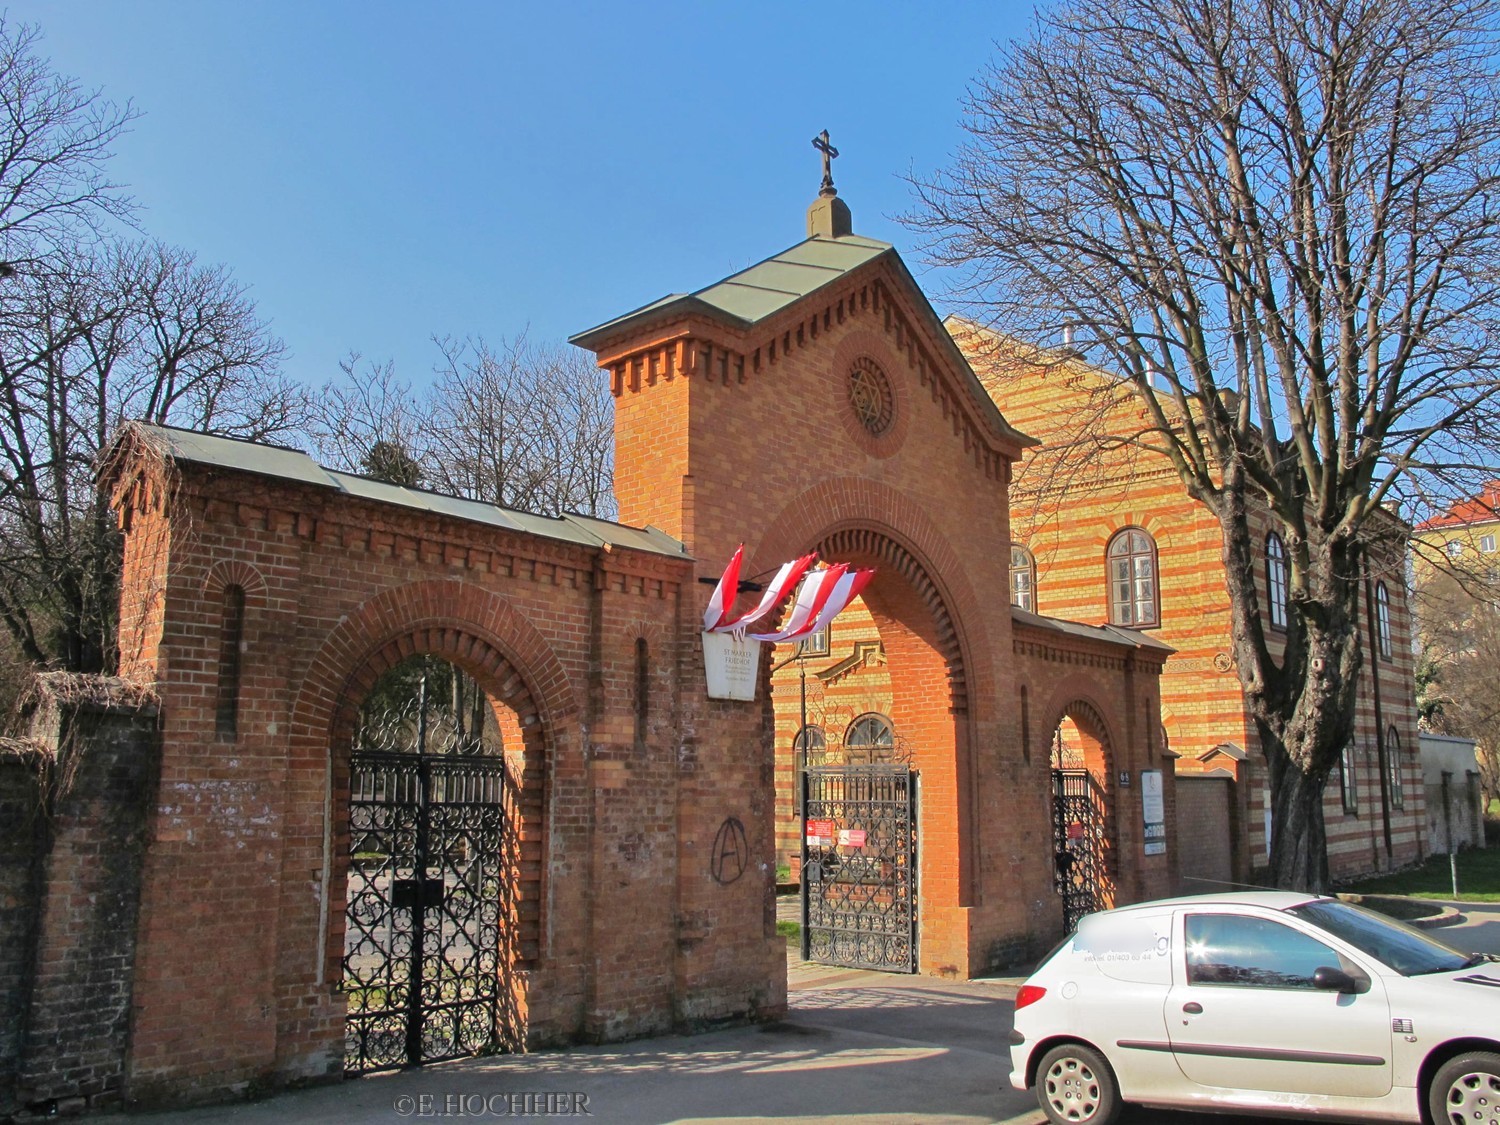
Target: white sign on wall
[(1153, 812), (731, 664)]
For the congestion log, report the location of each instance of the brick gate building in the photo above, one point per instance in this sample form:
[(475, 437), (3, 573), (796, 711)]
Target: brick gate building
[(265, 596)]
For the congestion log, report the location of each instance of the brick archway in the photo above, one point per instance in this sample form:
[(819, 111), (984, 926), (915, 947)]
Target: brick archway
[(876, 523), (914, 602), (1098, 756), (1089, 718), (480, 632)]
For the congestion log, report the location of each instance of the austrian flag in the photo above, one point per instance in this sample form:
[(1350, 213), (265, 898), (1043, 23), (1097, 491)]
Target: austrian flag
[(824, 594)]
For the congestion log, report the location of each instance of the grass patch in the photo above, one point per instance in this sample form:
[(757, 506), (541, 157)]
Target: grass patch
[(792, 931), (1478, 879)]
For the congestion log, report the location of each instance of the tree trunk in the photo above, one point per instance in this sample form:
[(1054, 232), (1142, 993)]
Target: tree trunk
[(1302, 703), (1299, 844)]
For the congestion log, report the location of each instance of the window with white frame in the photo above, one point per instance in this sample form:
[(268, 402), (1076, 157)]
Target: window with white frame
[(1134, 598), (1022, 578), (1383, 619), (1276, 580), (1487, 544)]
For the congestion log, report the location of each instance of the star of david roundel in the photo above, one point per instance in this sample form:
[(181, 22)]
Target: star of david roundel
[(871, 397)]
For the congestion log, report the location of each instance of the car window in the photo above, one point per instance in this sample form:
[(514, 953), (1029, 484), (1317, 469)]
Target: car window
[(1250, 952), (1404, 948)]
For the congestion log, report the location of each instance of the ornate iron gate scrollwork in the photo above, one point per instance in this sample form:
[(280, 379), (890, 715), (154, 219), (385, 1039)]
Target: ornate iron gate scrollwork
[(1080, 874), (859, 882), (422, 941)]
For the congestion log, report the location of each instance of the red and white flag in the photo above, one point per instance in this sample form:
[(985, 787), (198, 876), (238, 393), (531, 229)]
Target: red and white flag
[(724, 593), (825, 594), (785, 581)]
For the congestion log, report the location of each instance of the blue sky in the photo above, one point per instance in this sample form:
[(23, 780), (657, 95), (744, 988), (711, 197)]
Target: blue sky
[(380, 172)]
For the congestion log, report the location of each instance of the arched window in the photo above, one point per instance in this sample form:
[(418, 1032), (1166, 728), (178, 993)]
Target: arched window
[(809, 744), (1133, 594), (1383, 619), (1347, 786), (1393, 766), (231, 640), (1022, 578), (869, 738), (1276, 580)]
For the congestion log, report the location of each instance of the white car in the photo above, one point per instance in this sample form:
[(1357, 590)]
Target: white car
[(1263, 1002)]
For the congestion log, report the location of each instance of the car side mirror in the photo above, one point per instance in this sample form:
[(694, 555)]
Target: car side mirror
[(1329, 979)]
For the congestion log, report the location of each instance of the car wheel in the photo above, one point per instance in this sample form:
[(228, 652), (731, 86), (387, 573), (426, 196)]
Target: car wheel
[(1075, 1086), (1466, 1090)]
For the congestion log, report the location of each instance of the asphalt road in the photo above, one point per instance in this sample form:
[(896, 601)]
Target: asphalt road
[(856, 1049)]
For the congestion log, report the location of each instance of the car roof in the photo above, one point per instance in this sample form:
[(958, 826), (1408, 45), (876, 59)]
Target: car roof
[(1269, 900)]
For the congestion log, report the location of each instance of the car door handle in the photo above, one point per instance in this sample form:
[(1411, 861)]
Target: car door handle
[(1193, 1008)]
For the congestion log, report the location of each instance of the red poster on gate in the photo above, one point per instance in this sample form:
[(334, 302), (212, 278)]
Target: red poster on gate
[(820, 833)]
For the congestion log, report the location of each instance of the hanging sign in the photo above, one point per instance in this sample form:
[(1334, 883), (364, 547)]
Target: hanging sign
[(731, 664), (1153, 812), (851, 837)]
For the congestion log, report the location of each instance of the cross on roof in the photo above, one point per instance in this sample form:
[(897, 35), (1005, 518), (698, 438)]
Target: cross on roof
[(820, 142)]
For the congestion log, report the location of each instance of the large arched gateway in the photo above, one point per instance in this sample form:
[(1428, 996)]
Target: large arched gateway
[(438, 778)]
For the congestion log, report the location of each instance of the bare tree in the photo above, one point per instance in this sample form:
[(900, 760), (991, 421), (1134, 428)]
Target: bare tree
[(90, 339), (513, 424), (1290, 201), (55, 140), (1460, 615), (369, 421), (524, 426)]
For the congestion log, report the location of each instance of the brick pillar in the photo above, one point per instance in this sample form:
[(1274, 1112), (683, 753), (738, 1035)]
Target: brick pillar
[(100, 736)]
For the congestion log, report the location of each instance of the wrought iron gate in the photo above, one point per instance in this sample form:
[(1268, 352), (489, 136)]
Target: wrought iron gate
[(422, 940), (1081, 873), (859, 866)]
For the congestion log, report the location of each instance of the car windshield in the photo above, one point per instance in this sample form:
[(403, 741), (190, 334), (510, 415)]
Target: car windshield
[(1404, 948)]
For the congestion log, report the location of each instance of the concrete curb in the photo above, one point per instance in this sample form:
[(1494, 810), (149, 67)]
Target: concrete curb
[(1443, 914)]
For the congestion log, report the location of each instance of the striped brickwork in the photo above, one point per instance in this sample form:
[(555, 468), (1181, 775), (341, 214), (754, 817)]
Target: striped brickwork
[(1069, 498)]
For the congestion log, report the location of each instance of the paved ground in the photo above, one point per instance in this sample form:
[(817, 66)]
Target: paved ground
[(856, 1049)]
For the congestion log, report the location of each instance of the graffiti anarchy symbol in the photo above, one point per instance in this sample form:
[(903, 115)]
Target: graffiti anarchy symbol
[(731, 853)]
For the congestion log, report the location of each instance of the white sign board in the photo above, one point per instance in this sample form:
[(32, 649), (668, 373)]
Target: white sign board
[(1153, 812), (732, 666)]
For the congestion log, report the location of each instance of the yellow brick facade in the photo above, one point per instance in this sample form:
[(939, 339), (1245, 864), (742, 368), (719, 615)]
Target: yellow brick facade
[(1068, 503)]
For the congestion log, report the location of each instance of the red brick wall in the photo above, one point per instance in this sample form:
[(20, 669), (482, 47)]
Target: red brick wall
[(1205, 815), (242, 915), (625, 923), (776, 459)]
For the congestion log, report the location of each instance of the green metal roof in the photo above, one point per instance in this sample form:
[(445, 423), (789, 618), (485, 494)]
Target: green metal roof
[(1109, 634), (765, 288), (294, 465)]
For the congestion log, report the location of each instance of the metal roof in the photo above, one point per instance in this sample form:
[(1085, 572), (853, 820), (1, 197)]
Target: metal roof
[(1109, 634), (765, 288), (294, 465)]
